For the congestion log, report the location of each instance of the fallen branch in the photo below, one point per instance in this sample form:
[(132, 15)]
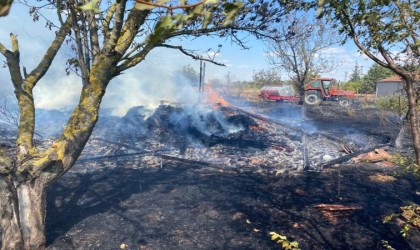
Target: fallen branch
[(129, 146), (342, 142), (349, 156), (337, 207), (192, 162), (346, 149), (106, 157), (154, 153)]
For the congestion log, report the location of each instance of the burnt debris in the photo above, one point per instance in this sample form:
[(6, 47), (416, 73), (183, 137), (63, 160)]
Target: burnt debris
[(223, 136)]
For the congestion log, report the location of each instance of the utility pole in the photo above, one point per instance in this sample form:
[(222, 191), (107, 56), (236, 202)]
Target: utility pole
[(201, 76), (228, 80)]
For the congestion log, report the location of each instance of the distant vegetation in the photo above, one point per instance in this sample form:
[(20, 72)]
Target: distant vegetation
[(365, 84)]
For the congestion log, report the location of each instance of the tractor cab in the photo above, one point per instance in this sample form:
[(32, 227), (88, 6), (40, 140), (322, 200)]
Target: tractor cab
[(326, 85), (321, 84)]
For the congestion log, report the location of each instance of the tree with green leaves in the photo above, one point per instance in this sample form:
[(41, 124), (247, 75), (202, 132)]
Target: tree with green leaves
[(353, 85), (266, 77), (189, 74), (356, 75), (387, 32), (376, 72), (108, 38)]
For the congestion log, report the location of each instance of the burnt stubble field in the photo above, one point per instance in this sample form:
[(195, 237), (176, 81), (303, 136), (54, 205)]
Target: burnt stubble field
[(228, 179)]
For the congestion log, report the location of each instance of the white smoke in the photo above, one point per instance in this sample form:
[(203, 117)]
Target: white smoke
[(58, 92), (148, 85), (201, 115)]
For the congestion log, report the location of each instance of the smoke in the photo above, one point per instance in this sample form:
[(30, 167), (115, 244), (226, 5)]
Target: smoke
[(146, 93), (59, 93), (148, 86), (207, 120)]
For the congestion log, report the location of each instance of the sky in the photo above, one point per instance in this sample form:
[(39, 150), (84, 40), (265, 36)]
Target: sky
[(59, 91)]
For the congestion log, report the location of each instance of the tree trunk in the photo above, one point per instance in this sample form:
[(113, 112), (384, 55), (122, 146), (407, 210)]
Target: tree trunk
[(301, 93), (412, 109), (11, 236), (23, 215)]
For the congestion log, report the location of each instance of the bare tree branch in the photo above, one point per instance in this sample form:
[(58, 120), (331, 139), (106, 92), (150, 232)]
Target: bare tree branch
[(356, 41), (7, 115), (190, 54), (301, 53), (170, 7), (93, 31), (107, 22), (36, 74), (81, 57), (130, 29), (13, 61), (118, 23)]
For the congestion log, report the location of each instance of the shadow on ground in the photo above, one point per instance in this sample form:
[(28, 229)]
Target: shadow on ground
[(184, 206)]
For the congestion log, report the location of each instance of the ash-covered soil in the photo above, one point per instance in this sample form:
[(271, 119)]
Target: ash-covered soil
[(362, 125), (189, 206), (163, 183), (185, 204)]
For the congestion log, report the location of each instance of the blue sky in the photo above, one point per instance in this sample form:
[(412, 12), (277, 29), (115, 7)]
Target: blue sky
[(58, 90)]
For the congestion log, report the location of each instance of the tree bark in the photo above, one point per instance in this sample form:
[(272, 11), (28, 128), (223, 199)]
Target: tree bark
[(301, 93), (23, 210), (11, 235), (412, 109)]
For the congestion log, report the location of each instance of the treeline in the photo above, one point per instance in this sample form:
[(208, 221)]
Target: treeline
[(365, 84)]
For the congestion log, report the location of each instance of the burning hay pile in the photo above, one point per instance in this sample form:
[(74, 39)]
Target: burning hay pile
[(222, 137)]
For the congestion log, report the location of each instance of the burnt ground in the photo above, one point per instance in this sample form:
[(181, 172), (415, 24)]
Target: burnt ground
[(192, 205), (185, 206), (359, 124)]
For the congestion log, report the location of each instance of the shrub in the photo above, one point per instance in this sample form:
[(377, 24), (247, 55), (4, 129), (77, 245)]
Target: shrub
[(397, 104)]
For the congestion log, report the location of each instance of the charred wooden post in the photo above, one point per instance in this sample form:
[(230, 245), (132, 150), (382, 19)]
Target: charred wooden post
[(306, 163)]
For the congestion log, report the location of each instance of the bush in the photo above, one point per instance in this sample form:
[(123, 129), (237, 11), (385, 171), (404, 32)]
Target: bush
[(397, 104), (353, 86)]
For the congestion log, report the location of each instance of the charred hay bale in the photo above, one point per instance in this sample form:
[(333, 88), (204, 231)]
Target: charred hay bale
[(135, 115), (163, 117), (242, 120)]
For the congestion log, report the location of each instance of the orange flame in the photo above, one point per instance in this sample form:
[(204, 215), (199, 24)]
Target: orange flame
[(214, 98), (256, 128)]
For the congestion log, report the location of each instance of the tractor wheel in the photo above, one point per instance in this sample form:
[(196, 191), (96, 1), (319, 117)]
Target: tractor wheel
[(312, 98), (345, 102), (264, 98)]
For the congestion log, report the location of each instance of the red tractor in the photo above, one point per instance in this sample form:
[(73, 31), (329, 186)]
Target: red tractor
[(316, 91), (322, 89)]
